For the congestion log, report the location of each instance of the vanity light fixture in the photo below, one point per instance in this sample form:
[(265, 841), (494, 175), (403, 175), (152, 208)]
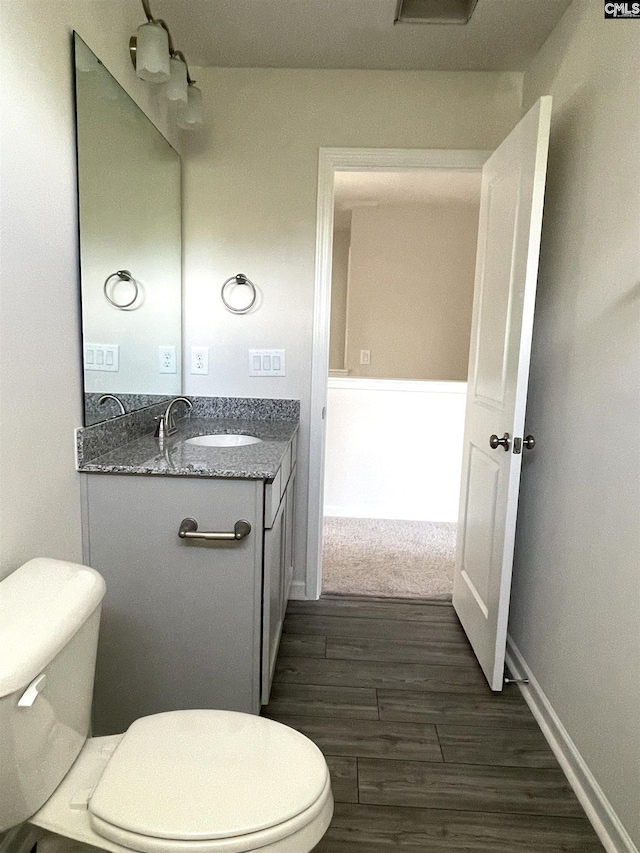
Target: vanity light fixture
[(157, 61), (189, 115)]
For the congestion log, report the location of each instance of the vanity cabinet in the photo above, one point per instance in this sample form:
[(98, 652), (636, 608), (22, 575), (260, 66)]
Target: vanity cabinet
[(187, 624), (278, 572)]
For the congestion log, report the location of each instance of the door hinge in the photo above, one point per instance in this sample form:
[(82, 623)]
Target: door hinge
[(517, 445)]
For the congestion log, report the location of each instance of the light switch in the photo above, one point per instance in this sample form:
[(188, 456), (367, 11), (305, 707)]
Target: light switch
[(267, 362), (102, 357), (365, 356)]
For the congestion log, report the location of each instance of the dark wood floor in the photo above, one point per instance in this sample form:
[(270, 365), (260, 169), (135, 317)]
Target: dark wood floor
[(423, 756)]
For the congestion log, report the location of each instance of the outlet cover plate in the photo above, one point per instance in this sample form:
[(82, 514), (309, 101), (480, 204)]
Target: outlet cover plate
[(167, 359), (199, 360)]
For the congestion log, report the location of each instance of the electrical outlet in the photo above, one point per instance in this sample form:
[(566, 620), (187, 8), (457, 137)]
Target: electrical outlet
[(167, 359), (365, 356), (199, 359)]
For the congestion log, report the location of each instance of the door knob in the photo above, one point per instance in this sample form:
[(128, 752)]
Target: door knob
[(529, 442), (496, 442)]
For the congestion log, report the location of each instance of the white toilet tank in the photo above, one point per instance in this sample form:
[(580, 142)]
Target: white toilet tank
[(49, 619)]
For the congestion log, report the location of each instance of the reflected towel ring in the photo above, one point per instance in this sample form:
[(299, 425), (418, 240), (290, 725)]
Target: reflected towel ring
[(121, 275), (239, 279)]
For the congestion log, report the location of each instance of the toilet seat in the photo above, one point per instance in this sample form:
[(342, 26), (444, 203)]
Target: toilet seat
[(210, 782)]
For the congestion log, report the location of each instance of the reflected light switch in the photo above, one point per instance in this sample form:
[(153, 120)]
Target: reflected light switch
[(105, 357)]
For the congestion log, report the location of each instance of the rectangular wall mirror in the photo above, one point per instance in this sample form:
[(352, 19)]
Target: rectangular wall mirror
[(129, 185)]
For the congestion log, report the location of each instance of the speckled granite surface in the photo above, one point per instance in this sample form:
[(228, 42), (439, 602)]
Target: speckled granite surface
[(92, 441), (94, 413), (127, 445), (147, 455), (254, 408)]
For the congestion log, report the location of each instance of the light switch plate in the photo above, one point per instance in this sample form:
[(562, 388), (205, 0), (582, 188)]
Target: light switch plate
[(104, 357), (267, 362), (199, 359), (365, 356)]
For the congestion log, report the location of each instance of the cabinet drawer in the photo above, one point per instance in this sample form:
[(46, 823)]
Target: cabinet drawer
[(272, 495), (285, 469), (274, 490)]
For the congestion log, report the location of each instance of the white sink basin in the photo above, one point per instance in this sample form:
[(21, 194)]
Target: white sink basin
[(223, 440)]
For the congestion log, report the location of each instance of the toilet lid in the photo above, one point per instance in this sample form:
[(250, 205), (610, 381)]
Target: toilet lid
[(196, 775)]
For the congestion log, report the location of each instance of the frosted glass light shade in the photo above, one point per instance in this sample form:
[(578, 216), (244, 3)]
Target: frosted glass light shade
[(152, 53), (86, 61), (189, 116), (176, 87), (109, 89)]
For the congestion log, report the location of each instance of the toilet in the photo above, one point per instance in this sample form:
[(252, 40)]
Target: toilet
[(197, 781)]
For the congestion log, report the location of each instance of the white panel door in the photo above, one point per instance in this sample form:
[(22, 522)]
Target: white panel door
[(513, 180)]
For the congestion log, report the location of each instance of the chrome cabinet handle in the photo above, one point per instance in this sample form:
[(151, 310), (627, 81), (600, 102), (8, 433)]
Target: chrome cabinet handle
[(529, 442), (189, 530), (496, 442)]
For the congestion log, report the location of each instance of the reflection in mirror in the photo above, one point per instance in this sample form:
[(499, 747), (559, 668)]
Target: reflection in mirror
[(130, 247)]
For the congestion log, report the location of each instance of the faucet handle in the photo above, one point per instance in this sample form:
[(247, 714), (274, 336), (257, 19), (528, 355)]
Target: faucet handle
[(160, 428)]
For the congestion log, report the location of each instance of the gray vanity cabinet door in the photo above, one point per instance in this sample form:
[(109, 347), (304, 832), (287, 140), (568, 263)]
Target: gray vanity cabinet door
[(181, 620), (290, 518), (274, 548)]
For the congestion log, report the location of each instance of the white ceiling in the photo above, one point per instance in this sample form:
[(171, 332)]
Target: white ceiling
[(428, 187), (502, 35)]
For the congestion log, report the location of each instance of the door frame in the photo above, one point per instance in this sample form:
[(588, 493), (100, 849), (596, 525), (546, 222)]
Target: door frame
[(330, 161)]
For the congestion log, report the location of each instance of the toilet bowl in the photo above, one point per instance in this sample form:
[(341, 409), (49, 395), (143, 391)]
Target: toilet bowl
[(203, 781)]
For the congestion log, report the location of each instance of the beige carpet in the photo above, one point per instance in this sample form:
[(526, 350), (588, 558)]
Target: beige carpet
[(379, 557)]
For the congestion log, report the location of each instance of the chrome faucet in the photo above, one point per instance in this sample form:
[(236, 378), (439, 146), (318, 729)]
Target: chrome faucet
[(167, 423), (115, 399)]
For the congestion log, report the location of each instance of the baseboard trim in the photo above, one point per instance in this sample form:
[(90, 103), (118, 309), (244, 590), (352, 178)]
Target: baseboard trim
[(599, 810), (298, 591), (390, 513), (20, 839)]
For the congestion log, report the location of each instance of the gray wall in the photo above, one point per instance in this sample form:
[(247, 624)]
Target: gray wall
[(410, 291), (576, 591), (40, 394), (339, 285), (250, 201)]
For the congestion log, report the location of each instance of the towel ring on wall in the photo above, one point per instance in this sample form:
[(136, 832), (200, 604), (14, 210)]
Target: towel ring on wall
[(239, 279), (121, 275)]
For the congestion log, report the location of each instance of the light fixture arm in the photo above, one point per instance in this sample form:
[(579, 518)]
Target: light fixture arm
[(147, 10), (177, 54)]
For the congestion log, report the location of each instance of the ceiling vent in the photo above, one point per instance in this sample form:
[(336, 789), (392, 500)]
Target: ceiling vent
[(434, 11)]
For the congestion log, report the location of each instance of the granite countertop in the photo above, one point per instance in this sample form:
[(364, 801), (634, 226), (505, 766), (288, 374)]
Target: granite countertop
[(146, 455)]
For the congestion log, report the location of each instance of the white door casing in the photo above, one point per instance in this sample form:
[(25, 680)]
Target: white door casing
[(330, 161), (513, 181)]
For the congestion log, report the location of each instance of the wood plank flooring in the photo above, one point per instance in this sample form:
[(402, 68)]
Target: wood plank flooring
[(423, 756)]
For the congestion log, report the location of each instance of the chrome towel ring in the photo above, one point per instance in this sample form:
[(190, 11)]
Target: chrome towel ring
[(239, 279), (121, 275)]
